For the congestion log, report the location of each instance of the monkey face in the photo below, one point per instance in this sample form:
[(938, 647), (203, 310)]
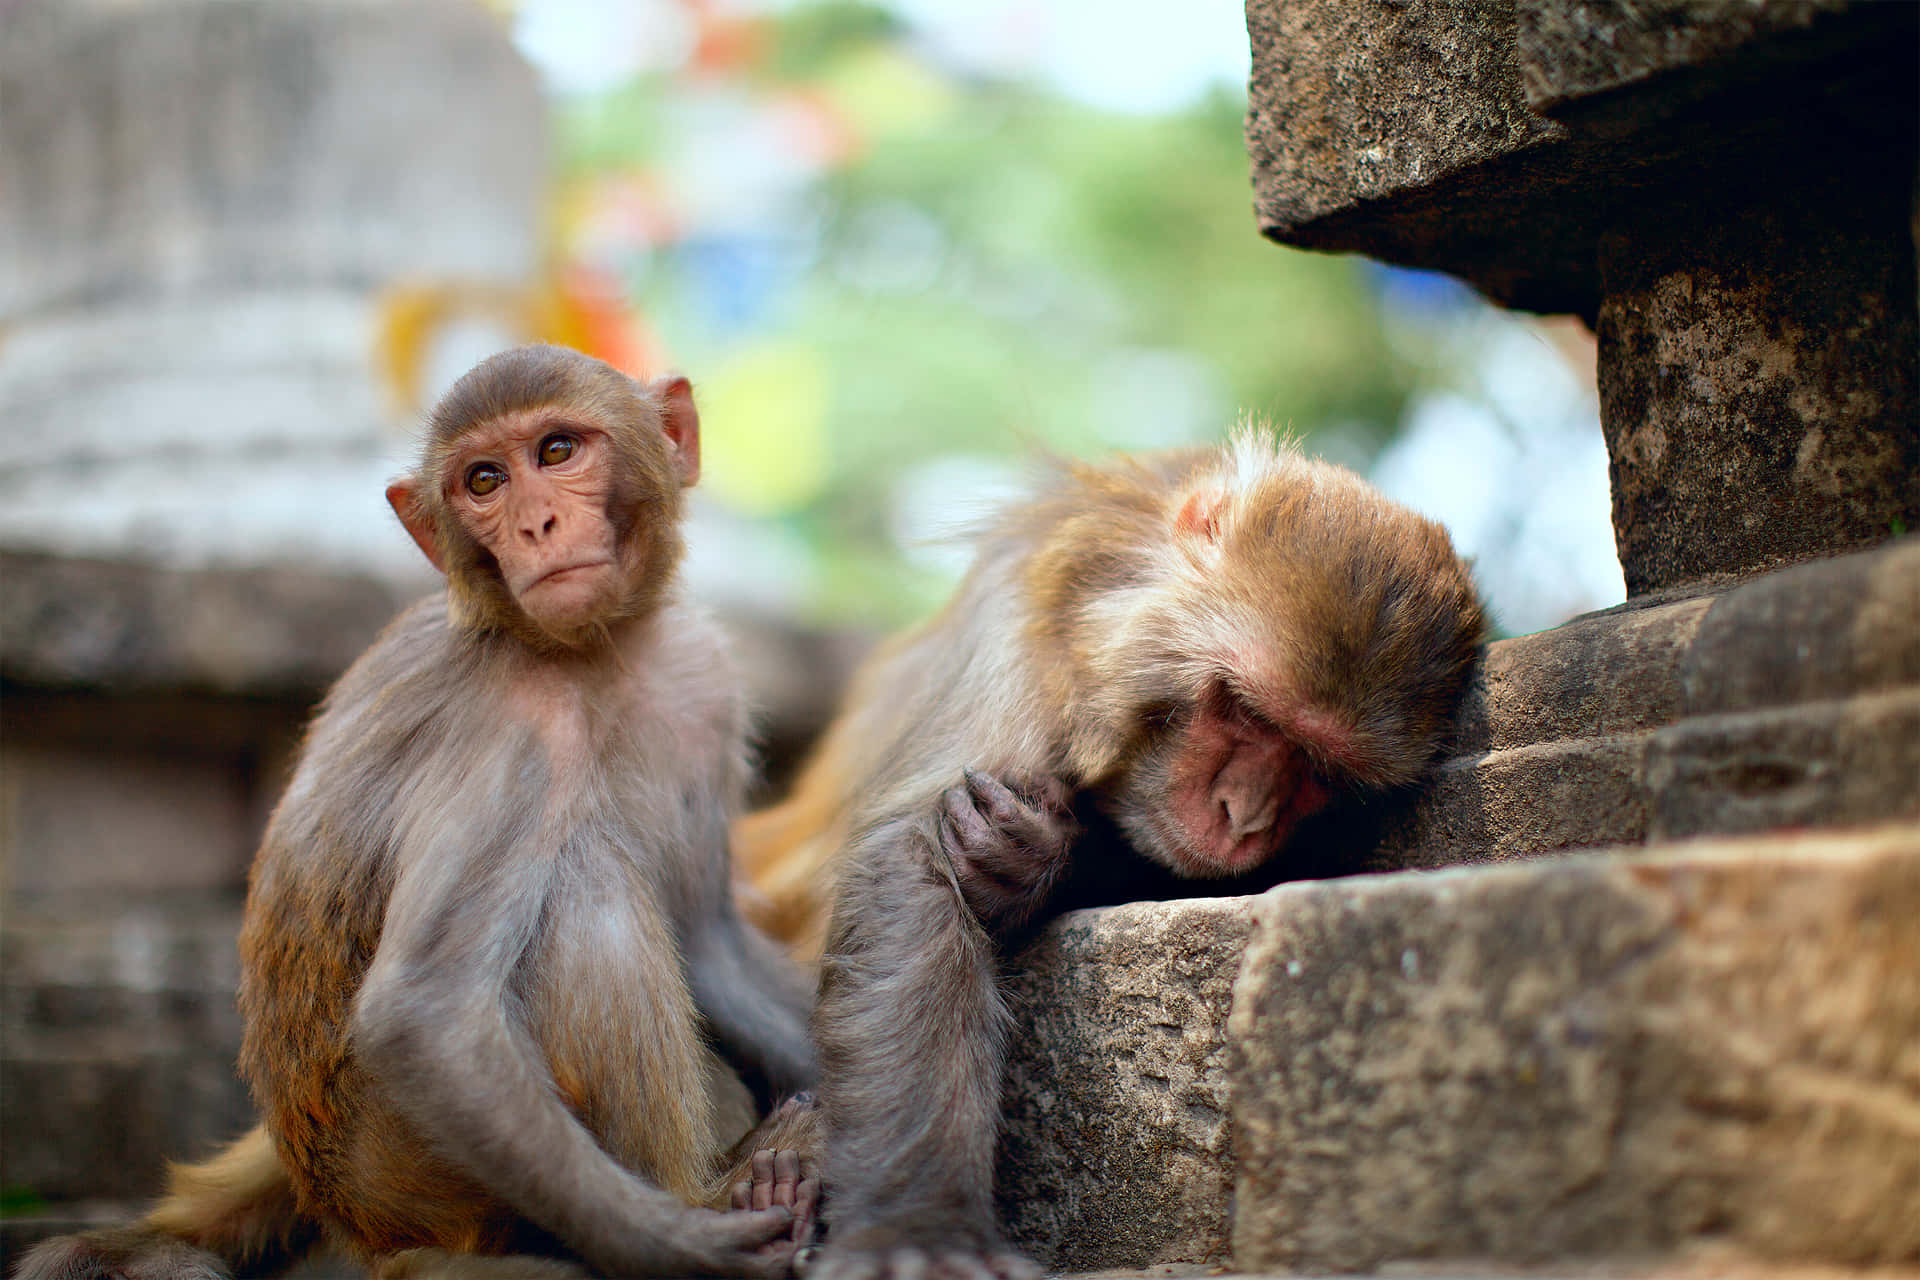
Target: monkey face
[(532, 489), (1221, 793)]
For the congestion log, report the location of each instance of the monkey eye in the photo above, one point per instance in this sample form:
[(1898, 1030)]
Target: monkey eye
[(483, 478), (556, 449)]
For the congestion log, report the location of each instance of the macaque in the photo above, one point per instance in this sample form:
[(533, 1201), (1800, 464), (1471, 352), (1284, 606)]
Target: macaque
[(1197, 653), (502, 1017)]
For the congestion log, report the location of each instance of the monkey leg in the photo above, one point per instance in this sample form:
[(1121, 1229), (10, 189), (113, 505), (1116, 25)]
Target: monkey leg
[(912, 1031)]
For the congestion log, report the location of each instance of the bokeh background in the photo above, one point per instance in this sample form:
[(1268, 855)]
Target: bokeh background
[(900, 248)]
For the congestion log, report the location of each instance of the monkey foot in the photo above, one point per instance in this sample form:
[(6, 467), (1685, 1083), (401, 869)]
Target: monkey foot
[(904, 1262)]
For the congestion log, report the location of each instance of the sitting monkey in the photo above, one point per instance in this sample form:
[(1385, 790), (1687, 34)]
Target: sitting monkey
[(502, 1017)]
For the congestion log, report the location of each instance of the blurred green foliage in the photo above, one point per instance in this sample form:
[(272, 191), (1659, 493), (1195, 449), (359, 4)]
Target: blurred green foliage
[(987, 269)]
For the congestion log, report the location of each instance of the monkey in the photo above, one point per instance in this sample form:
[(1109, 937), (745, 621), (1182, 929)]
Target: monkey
[(501, 1014), (1198, 654)]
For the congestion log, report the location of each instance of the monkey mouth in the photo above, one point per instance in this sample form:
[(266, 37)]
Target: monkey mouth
[(553, 575), (1237, 856), (1210, 851)]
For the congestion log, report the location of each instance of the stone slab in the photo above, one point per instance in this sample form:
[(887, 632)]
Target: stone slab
[(1593, 1057), (1575, 50), (116, 822), (1759, 368), (115, 625), (1790, 699), (1115, 1148), (1499, 142)]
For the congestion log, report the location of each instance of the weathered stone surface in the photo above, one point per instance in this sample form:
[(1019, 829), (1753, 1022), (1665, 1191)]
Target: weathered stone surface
[(1115, 1151), (93, 821), (1724, 191), (282, 633), (1400, 130), (115, 625), (1435, 133), (1787, 700), (1760, 381), (1815, 765), (1569, 50), (1593, 1057), (1594, 677)]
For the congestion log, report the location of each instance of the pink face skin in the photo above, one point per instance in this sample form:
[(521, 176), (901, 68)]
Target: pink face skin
[(532, 488), (1238, 789)]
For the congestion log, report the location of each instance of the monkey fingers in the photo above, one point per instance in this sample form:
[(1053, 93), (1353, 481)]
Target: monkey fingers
[(781, 1179), (1008, 841)]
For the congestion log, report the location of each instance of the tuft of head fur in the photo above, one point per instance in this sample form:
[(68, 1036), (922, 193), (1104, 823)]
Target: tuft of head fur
[(645, 501)]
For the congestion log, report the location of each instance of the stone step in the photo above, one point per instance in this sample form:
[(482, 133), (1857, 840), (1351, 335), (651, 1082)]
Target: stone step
[(1792, 699), (1706, 1043)]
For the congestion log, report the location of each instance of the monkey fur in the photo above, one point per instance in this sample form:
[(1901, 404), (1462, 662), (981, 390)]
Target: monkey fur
[(1198, 652), (501, 1015)]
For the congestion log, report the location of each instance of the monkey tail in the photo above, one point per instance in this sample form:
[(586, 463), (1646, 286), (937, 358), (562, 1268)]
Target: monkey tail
[(237, 1212), (785, 855)]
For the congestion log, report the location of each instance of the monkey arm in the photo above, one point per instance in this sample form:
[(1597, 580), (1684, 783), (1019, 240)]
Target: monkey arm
[(434, 1029), (912, 1033), (756, 1003)]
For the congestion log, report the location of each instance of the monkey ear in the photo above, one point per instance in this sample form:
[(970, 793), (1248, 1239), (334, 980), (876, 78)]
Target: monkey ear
[(400, 496), (1200, 514), (681, 422)]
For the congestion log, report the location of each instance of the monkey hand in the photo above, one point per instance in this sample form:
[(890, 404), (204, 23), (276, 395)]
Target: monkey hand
[(755, 1243), (906, 1262), (1008, 840)]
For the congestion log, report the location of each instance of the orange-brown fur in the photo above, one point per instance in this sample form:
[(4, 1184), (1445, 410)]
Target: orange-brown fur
[(1098, 531)]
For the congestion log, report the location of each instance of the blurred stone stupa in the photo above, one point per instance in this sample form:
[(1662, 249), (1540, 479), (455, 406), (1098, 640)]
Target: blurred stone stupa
[(204, 207)]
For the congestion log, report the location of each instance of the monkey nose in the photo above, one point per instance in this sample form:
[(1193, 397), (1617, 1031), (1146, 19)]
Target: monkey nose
[(1247, 814)]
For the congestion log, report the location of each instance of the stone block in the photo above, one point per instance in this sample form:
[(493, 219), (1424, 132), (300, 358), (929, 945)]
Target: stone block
[(116, 625), (118, 1034), (1758, 375), (1522, 802), (1115, 1149), (1725, 192), (74, 820), (1572, 51), (1825, 764), (1595, 1058), (1594, 677), (1435, 134), (1831, 629), (1788, 700)]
